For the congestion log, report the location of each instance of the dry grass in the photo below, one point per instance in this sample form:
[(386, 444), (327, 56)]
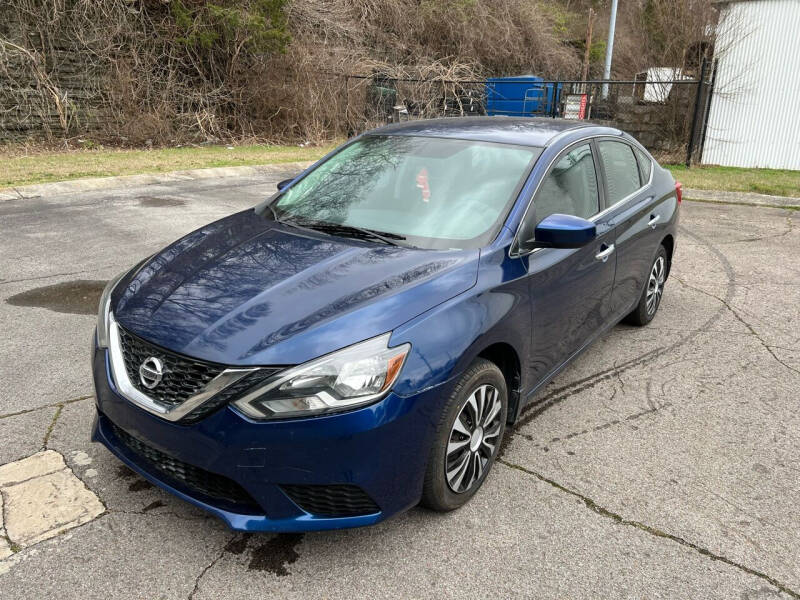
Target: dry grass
[(22, 168)]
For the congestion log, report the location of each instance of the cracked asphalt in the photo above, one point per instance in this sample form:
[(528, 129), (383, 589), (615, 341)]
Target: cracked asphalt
[(663, 463)]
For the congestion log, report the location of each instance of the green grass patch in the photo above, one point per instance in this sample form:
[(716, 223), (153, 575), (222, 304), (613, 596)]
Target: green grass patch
[(775, 182), (23, 168)]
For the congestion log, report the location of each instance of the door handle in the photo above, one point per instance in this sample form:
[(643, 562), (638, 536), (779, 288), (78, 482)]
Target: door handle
[(604, 254), (653, 220)]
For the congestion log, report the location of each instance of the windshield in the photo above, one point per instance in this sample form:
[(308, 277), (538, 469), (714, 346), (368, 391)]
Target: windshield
[(426, 192)]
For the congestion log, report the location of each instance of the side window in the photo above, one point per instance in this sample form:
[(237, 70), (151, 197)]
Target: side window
[(645, 165), (570, 188), (622, 170)]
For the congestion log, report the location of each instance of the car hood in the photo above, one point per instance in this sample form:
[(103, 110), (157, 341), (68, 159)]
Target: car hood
[(249, 291)]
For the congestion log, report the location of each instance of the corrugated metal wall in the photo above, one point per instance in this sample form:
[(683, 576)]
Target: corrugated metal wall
[(755, 113)]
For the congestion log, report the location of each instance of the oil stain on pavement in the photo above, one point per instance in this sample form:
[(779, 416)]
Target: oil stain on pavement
[(153, 505), (79, 297), (238, 544), (125, 472), (153, 202), (139, 485), (276, 554)]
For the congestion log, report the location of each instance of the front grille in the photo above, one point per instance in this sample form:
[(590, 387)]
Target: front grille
[(340, 500), (183, 376), (207, 483)]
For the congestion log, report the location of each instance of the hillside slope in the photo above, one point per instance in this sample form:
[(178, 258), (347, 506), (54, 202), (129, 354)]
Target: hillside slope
[(135, 71)]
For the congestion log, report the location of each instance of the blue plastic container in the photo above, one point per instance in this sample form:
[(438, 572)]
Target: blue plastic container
[(521, 96)]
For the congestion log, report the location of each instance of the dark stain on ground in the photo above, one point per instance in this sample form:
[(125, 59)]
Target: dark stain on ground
[(238, 544), (139, 485), (153, 505), (275, 555), (79, 297), (124, 472), (153, 202)]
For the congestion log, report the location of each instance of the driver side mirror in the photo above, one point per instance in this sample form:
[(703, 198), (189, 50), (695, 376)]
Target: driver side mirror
[(285, 182), (561, 231)]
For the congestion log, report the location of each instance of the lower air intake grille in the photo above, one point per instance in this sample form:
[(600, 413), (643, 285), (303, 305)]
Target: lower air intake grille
[(195, 478), (343, 500)]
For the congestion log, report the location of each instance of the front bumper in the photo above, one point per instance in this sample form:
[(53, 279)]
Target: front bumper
[(382, 449)]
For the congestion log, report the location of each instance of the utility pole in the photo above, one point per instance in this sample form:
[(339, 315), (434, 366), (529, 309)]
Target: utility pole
[(612, 24), (588, 45)]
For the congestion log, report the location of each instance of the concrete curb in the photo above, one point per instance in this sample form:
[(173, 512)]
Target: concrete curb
[(102, 183), (744, 198)]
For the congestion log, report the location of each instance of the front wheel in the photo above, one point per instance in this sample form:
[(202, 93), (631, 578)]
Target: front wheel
[(653, 290), (468, 437)]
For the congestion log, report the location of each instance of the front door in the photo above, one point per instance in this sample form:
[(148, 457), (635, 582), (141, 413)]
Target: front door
[(570, 290)]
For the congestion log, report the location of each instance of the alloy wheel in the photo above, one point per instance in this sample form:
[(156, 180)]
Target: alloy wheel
[(655, 285), (473, 439)]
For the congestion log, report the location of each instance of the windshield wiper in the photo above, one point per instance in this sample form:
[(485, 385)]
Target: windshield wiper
[(391, 239), (288, 222), (352, 231), (274, 213)]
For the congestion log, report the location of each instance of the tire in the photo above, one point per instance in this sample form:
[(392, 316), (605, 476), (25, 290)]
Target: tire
[(652, 292), (480, 388)]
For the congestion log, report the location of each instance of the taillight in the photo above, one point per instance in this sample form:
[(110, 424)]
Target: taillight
[(679, 191)]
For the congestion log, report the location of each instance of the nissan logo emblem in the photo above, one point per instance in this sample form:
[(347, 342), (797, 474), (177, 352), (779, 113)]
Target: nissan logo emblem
[(151, 372)]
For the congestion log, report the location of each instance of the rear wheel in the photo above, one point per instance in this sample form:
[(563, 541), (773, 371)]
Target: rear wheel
[(653, 290), (468, 437)]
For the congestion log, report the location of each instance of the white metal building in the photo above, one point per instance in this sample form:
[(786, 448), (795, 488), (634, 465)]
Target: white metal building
[(754, 120)]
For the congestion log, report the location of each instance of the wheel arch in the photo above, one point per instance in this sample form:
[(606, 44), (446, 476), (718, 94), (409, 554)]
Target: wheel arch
[(507, 360), (669, 245)]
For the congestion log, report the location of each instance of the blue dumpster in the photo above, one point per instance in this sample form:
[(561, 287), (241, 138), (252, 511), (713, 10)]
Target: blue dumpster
[(521, 96)]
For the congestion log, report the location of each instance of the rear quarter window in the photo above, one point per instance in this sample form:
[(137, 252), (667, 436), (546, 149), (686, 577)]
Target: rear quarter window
[(645, 165)]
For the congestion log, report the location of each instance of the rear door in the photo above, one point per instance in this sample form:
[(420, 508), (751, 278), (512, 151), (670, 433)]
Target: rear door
[(631, 209), (570, 290)]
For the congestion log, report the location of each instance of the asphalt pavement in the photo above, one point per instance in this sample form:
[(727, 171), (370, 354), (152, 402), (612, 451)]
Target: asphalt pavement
[(664, 463)]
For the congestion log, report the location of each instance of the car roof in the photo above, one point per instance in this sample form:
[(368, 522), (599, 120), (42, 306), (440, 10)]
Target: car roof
[(523, 131)]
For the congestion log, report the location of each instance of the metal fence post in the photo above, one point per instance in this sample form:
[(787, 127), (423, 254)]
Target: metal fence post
[(707, 112), (347, 105), (697, 99)]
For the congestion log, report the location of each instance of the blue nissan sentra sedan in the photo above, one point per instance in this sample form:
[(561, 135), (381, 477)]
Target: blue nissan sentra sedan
[(359, 343)]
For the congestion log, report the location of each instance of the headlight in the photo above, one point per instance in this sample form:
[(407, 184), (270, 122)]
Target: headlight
[(103, 309), (355, 376)]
